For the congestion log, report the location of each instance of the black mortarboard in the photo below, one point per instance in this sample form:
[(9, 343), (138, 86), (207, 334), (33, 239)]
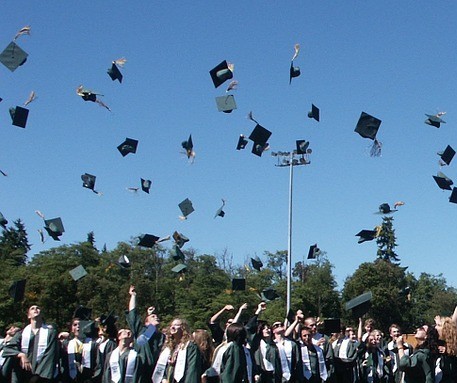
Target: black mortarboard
[(258, 149), (78, 272), (443, 181), (3, 220), (220, 212), (447, 155), (360, 304), (147, 240), (313, 252), (238, 284), (291, 314), (294, 72), (17, 290), (186, 207), (13, 56), (226, 103), (177, 253), (108, 320), (314, 112), (124, 262), (269, 294), (384, 208), (453, 196), (19, 116), (220, 73), (54, 227), (332, 326), (83, 313), (180, 239), (367, 126), (115, 73), (242, 142), (146, 185), (366, 235), (87, 329), (88, 181), (128, 146), (256, 263), (179, 269), (260, 135), (434, 120), (302, 146), (188, 146)]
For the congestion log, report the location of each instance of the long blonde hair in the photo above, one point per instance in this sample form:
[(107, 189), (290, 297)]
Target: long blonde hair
[(171, 342), (449, 335)]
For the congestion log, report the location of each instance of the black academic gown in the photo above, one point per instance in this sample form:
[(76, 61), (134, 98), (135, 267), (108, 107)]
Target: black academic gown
[(123, 359), (45, 368)]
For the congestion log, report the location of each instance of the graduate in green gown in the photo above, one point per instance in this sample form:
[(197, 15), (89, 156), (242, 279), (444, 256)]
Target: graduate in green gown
[(36, 348), (10, 365)]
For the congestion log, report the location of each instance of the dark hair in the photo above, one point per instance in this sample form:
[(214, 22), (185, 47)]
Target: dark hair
[(236, 333), (431, 341)]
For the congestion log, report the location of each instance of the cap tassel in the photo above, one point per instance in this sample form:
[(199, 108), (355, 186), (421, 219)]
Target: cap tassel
[(232, 86), (31, 98), (40, 214), (182, 218), (120, 62), (251, 117), (23, 31), (297, 51), (375, 150), (43, 240)]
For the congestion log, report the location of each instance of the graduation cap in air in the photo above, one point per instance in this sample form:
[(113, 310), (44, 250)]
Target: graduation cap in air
[(147, 240), (435, 120), (83, 313), (302, 146), (177, 253), (256, 263), (360, 304), (54, 227), (220, 212), (3, 221), (180, 239), (366, 235), (238, 284), (293, 72), (443, 181), (221, 73), (314, 112), (128, 146), (259, 136), (446, 155), (89, 181), (368, 127), (313, 252), (384, 208), (78, 273), (145, 185), (89, 95), (332, 325), (269, 294), (226, 103), (242, 142), (186, 208), (13, 56), (108, 320), (124, 262), (188, 146), (17, 290), (114, 71), (453, 196), (179, 269), (19, 116)]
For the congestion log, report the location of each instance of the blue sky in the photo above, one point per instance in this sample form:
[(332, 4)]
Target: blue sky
[(393, 60)]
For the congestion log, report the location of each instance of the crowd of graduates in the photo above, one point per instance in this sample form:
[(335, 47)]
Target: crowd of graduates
[(293, 350)]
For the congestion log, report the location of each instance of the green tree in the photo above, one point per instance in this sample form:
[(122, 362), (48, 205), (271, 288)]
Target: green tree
[(386, 241), (277, 262), (14, 245)]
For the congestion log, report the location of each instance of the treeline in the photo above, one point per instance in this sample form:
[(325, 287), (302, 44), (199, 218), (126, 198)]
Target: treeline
[(205, 286)]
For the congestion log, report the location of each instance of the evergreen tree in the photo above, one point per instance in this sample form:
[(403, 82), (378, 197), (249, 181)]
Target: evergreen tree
[(14, 245), (386, 241)]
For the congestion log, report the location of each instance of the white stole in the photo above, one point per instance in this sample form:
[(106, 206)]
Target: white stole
[(307, 364), (263, 350), (180, 364), (379, 367), (161, 365), (438, 371), (285, 352), (43, 332), (217, 359), (73, 349), (114, 366), (86, 359), (248, 363), (102, 346), (343, 352), (145, 336)]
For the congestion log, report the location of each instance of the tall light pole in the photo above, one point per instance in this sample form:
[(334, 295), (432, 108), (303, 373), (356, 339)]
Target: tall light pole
[(294, 158)]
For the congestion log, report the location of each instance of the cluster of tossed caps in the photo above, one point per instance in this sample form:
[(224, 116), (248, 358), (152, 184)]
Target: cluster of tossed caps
[(443, 181)]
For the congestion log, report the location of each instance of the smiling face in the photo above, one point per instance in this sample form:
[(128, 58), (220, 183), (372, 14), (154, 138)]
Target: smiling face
[(394, 332), (306, 336), (176, 328), (266, 332)]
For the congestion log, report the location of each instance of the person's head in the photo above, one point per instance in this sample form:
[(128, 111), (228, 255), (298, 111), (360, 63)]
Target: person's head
[(420, 335), (394, 331), (236, 333), (203, 340), (151, 317), (448, 333), (75, 327), (311, 323), (349, 333), (264, 330), (306, 336), (371, 340), (369, 325), (177, 332), (229, 322), (12, 330), (431, 339), (278, 329), (377, 336), (124, 337), (34, 312)]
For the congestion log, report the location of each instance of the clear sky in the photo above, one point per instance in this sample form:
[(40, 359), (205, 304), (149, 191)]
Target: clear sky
[(394, 60)]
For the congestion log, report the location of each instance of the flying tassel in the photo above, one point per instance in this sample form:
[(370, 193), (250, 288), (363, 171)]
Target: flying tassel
[(232, 86), (375, 150), (132, 189), (120, 62), (40, 214), (42, 238), (31, 98), (23, 31), (297, 51), (231, 67), (397, 204), (182, 218), (250, 117), (163, 239), (101, 103)]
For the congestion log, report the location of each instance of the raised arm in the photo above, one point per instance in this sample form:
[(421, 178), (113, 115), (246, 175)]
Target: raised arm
[(454, 316), (243, 307), (132, 301), (216, 316), (359, 330), (298, 318)]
